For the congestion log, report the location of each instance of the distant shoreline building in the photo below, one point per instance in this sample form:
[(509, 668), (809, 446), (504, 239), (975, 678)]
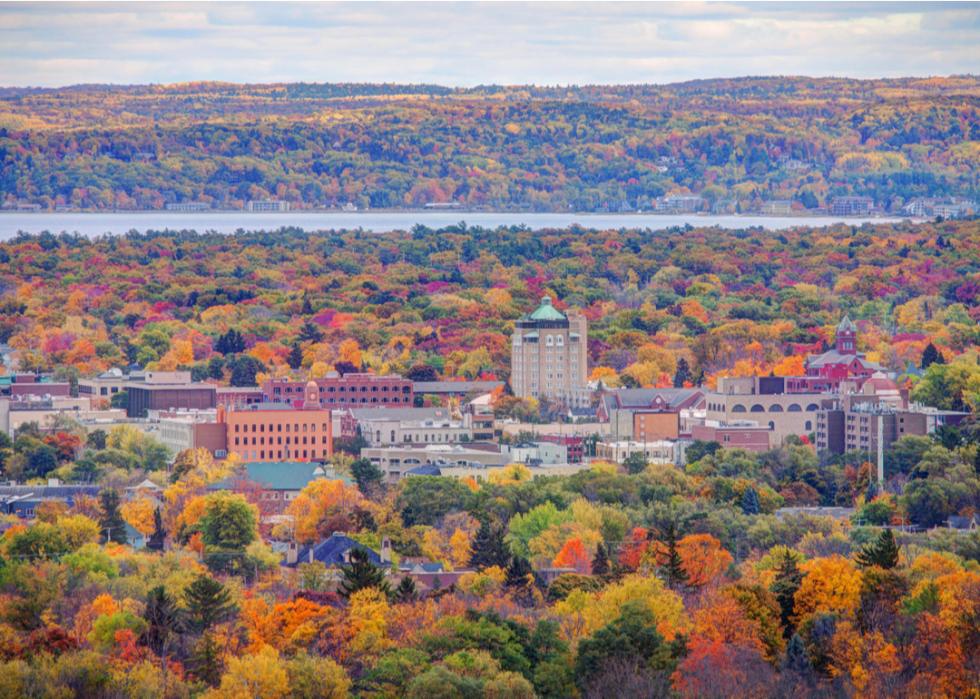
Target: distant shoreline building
[(548, 356), (267, 206)]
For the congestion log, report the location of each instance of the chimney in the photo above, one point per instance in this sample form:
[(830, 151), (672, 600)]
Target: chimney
[(385, 550), (292, 553)]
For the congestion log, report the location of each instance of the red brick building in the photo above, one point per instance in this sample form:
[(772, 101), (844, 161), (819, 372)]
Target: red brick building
[(344, 391)]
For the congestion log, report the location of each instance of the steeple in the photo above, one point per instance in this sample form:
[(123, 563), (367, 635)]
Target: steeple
[(846, 338)]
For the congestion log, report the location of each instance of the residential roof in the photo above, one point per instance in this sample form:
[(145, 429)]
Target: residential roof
[(332, 551), (546, 311), (835, 357), (424, 470), (280, 475), (671, 398)]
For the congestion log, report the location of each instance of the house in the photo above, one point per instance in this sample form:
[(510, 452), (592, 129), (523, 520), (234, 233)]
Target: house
[(22, 500), (333, 552), (277, 482)]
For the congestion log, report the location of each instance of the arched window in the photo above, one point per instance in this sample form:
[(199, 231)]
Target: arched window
[(813, 406), (560, 340), (775, 408), (738, 408), (794, 408), (757, 409)]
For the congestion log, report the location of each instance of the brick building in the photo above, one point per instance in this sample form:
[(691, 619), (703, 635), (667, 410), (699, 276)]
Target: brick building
[(343, 391)]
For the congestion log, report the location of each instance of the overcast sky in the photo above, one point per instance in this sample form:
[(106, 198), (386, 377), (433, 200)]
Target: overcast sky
[(462, 44)]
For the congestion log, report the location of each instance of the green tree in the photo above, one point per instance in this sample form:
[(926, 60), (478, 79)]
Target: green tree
[(406, 590), (750, 501), (111, 521), (882, 551), (310, 332), (164, 621), (600, 562), (40, 541), (930, 356), (367, 476), (361, 573), (295, 357), (784, 586), (636, 462), (208, 603), (488, 547), (631, 637), (159, 535), (672, 570)]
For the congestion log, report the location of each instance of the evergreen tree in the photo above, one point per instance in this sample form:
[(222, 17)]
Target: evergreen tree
[(797, 660), (930, 356), (361, 573), (671, 570), (307, 307), (208, 603), (488, 547), (784, 587), (600, 562), (519, 573), (406, 590), (163, 620), (231, 342), (206, 660), (366, 475), (310, 332), (156, 540), (750, 501), (111, 521), (683, 373), (295, 357), (881, 552)]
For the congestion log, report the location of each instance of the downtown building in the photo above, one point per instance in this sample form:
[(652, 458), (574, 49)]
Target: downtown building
[(548, 357)]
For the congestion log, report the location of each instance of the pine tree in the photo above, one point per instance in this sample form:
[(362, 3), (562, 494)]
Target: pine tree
[(159, 535), (361, 573), (784, 587), (231, 342), (519, 573), (672, 571), (488, 547), (797, 660), (750, 501), (882, 552), (310, 332), (164, 620), (406, 590), (683, 373), (111, 521), (930, 356), (600, 562), (206, 660), (295, 356), (208, 603)]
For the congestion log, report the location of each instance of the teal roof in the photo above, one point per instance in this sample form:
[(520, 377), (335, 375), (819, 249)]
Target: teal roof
[(547, 312), (281, 475)]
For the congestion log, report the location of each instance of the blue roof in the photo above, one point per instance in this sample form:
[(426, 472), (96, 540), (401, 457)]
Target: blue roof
[(332, 552), (280, 475)]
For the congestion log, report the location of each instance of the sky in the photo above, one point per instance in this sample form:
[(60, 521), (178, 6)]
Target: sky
[(465, 44)]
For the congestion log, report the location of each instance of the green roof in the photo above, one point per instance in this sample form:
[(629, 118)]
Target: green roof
[(547, 312), (281, 475)]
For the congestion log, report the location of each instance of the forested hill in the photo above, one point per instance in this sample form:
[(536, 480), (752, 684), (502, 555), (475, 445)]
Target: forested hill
[(737, 143)]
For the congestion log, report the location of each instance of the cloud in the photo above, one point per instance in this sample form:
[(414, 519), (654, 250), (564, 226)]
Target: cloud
[(53, 44)]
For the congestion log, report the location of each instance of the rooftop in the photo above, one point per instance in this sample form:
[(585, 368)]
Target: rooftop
[(546, 311), (280, 475)]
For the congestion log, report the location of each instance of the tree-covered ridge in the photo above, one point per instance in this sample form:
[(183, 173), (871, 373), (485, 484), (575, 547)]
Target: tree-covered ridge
[(747, 301), (540, 148)]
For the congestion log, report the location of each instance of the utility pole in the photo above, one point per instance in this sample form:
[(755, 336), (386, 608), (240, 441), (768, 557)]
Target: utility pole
[(881, 453)]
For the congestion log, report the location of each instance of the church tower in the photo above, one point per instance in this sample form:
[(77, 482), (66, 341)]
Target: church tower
[(846, 338)]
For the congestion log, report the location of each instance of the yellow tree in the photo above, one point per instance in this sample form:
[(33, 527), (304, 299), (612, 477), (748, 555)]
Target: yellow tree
[(323, 500), (831, 584), (260, 675), (138, 514)]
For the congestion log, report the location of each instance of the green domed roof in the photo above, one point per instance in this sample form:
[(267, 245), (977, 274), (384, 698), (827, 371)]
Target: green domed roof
[(547, 312)]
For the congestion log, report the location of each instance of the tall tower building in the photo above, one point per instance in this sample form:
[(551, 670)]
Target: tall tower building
[(548, 356)]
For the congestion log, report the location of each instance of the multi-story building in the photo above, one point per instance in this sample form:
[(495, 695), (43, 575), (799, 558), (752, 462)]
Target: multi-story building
[(179, 430), (647, 413), (337, 391), (825, 372), (389, 426), (267, 205), (765, 402), (851, 206), (880, 412), (735, 435), (279, 432), (168, 390), (656, 452), (548, 356)]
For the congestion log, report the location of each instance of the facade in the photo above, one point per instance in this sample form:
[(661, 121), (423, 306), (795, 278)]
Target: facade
[(826, 372), (647, 413), (344, 391), (391, 426), (749, 435), (239, 395), (398, 460), (276, 432), (22, 500), (277, 483), (541, 453), (179, 430), (743, 398), (144, 397), (44, 411), (851, 206), (188, 206), (266, 206), (574, 445), (657, 452), (455, 389), (548, 356)]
